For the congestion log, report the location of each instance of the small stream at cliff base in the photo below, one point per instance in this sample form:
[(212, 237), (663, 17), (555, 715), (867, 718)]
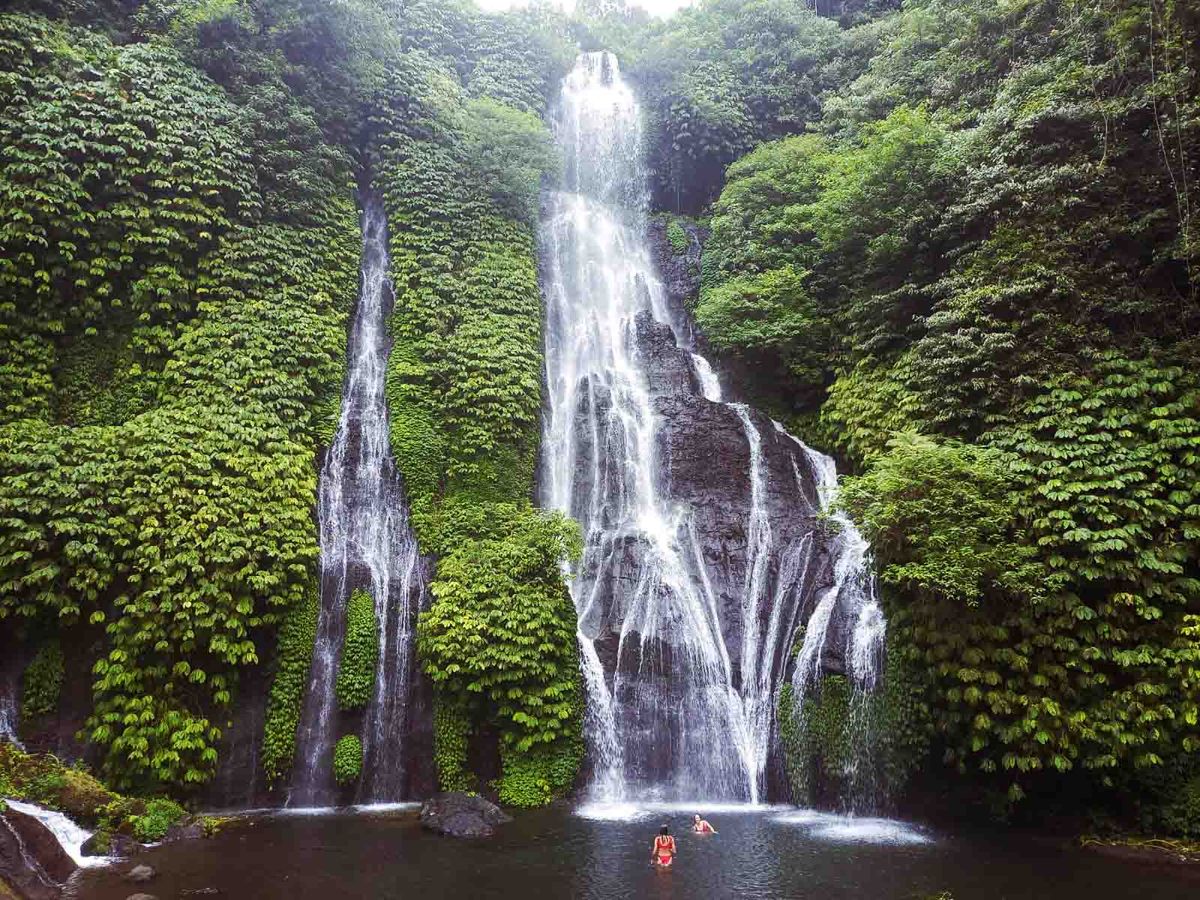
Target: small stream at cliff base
[(767, 853)]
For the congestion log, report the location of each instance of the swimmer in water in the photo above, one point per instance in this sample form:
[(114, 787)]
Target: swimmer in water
[(702, 826), (664, 848)]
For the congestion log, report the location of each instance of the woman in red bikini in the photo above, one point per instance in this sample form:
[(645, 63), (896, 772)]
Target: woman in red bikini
[(702, 826), (664, 848)]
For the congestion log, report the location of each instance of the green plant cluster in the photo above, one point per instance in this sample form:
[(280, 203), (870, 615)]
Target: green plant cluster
[(451, 739), (293, 659), (677, 236), (41, 685), (174, 347), (152, 825), (347, 759), (360, 652), (499, 641), (1166, 799), (977, 279), (544, 772)]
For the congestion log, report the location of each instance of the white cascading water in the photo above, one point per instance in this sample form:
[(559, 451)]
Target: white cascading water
[(366, 542), (8, 718), (699, 709), (70, 836), (851, 597)]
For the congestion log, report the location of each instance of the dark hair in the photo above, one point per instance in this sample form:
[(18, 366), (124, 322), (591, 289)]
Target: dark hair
[(664, 830)]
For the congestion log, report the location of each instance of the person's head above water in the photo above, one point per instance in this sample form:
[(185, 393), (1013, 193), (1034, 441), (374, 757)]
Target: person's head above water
[(696, 818), (664, 830)]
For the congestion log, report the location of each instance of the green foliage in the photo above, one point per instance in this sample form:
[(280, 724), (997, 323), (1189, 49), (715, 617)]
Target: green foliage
[(190, 352), (451, 735), (501, 627), (160, 815), (510, 151), (360, 652), (293, 657), (42, 682), (1095, 661), (943, 520), (95, 217), (540, 774), (980, 274), (806, 241), (518, 59), (1167, 797), (347, 759), (677, 236), (1181, 814)]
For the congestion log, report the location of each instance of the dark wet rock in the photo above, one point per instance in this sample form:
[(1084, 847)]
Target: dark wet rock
[(104, 843), (140, 874), (672, 372), (32, 863), (57, 731), (141, 897), (679, 270), (462, 815), (239, 782), (704, 462), (187, 830)]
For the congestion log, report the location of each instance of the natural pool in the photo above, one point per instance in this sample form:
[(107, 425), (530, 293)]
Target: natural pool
[(769, 853)]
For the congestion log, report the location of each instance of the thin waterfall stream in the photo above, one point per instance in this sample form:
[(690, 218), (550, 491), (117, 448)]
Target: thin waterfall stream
[(706, 541), (367, 543)]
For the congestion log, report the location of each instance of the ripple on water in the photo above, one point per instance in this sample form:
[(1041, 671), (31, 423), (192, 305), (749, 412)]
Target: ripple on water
[(852, 829)]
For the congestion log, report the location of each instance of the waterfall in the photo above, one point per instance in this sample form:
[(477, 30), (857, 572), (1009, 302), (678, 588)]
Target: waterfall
[(9, 715), (366, 542), (687, 604), (851, 599), (69, 835), (852, 592)]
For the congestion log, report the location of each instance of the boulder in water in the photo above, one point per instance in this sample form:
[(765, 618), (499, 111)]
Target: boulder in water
[(140, 874), (462, 815), (32, 862), (108, 843)]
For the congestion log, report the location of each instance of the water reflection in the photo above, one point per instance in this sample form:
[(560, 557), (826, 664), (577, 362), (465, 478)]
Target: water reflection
[(764, 854)]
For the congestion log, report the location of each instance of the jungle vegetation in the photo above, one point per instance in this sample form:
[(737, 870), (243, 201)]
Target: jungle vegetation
[(953, 241)]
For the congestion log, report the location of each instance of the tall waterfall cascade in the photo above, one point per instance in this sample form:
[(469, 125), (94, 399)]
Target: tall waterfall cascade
[(706, 544), (9, 714), (366, 543)]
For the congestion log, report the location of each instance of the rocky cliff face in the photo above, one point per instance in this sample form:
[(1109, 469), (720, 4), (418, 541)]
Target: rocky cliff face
[(752, 549), (679, 271)]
